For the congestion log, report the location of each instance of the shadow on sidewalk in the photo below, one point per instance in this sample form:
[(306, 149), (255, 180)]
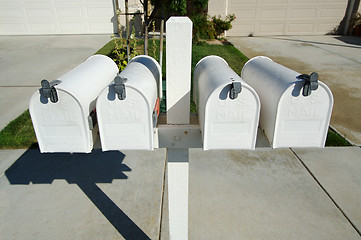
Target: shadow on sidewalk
[(85, 170)]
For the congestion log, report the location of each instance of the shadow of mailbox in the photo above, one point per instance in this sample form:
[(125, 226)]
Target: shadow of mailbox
[(85, 170)]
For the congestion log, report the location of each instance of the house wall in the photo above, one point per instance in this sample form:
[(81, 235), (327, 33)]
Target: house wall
[(32, 17), (281, 17), (216, 8)]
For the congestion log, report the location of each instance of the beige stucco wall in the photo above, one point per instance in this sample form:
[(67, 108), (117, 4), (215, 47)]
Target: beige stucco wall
[(25, 17), (217, 7)]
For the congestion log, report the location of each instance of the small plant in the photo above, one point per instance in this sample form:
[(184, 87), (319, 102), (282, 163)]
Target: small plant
[(119, 55), (220, 26), (134, 44), (119, 52)]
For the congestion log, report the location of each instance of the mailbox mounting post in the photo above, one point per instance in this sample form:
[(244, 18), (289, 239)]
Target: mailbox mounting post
[(178, 69)]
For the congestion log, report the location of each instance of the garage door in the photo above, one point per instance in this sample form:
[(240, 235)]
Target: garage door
[(285, 17), (56, 17)]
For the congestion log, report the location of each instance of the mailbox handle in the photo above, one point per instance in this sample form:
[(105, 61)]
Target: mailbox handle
[(48, 90), (92, 119), (236, 88), (311, 83), (119, 87)]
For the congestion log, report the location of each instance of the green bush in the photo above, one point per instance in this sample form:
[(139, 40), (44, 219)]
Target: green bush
[(220, 26), (203, 28), (172, 7)]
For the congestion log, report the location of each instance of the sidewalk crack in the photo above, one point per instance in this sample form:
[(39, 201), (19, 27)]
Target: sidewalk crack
[(162, 200), (318, 182)]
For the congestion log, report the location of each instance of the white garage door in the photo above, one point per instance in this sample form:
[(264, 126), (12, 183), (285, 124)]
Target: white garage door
[(282, 17), (56, 17)]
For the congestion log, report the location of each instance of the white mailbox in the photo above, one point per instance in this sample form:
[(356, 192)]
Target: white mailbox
[(126, 109), (228, 108), (296, 109), (62, 111)]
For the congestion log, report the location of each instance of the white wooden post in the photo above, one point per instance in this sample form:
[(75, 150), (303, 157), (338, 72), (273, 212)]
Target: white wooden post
[(178, 164), (178, 71), (178, 85)]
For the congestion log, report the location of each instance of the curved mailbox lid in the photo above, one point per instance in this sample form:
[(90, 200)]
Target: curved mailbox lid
[(154, 67), (63, 126), (288, 118), (87, 80), (225, 123), (128, 123)]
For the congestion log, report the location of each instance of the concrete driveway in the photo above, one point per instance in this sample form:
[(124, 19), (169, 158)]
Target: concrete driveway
[(337, 59), (26, 60)]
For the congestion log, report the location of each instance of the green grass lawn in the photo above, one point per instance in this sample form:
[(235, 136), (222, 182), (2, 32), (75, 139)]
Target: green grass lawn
[(19, 133), (335, 140), (232, 55)]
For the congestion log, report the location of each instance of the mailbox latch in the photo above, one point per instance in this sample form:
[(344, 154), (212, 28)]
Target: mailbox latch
[(311, 83), (236, 88), (48, 90), (119, 87), (92, 120)]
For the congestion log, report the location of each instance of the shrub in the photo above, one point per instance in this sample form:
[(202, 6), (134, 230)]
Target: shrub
[(220, 26), (202, 28), (210, 29), (172, 7)]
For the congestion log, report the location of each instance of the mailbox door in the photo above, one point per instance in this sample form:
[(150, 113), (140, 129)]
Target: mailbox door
[(231, 124), (124, 124), (303, 121), (61, 126)]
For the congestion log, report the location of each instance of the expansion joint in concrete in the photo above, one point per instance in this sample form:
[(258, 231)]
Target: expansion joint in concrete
[(163, 193), (318, 182)]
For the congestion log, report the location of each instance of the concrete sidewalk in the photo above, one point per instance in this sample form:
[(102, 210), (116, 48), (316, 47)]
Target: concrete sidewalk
[(337, 59), (26, 60), (111, 195), (261, 194), (273, 194)]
